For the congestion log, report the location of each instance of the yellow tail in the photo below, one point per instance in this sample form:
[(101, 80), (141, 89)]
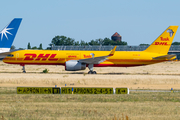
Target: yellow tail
[(163, 43)]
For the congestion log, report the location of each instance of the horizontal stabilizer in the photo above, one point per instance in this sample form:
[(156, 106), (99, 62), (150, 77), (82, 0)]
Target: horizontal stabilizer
[(165, 57), (4, 54)]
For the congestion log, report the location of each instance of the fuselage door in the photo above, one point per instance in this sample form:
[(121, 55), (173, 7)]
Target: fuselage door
[(17, 56)]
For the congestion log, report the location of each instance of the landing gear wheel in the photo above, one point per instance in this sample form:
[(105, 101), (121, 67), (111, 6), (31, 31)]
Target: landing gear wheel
[(92, 72), (90, 66), (24, 71)]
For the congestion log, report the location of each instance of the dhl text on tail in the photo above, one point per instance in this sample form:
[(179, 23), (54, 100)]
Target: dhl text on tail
[(79, 60)]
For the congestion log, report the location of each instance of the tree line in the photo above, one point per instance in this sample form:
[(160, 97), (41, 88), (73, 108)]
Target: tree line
[(66, 41), (29, 47), (63, 40)]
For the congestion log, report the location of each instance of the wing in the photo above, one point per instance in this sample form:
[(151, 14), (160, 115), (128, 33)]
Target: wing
[(4, 54), (97, 60), (165, 57)]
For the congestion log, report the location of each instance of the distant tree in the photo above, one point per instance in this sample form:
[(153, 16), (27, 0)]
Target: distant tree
[(62, 40), (83, 43), (96, 42), (29, 46), (21, 48), (13, 47), (34, 47), (100, 41), (124, 43), (176, 43), (107, 41), (114, 42), (40, 47), (144, 45), (121, 43), (69, 41), (48, 48), (76, 43), (93, 42)]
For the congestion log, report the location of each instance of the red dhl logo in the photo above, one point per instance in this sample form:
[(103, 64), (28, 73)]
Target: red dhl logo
[(164, 39), (72, 56), (42, 57), (161, 43), (87, 56)]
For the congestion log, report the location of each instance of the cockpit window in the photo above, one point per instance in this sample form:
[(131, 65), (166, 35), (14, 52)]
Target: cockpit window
[(10, 55)]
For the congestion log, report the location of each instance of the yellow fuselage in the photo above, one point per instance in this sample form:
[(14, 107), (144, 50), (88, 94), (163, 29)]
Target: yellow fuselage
[(59, 57)]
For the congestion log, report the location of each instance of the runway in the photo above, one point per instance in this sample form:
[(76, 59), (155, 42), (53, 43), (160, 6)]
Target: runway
[(162, 76)]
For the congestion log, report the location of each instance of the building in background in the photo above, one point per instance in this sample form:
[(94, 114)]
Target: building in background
[(116, 37)]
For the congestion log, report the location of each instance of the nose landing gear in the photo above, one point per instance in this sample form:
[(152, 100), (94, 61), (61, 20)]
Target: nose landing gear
[(24, 71)]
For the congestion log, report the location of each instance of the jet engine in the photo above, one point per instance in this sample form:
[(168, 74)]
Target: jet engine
[(74, 65)]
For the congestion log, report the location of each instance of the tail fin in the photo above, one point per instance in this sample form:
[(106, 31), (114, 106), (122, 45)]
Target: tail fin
[(8, 34), (163, 43)]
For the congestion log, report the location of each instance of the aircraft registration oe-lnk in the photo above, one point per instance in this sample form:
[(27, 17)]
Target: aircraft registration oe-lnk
[(79, 60)]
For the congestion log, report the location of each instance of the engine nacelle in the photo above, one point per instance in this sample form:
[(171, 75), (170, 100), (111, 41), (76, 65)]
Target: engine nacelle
[(74, 65)]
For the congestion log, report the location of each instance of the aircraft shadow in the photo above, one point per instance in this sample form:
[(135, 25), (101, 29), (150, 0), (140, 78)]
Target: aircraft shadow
[(85, 73)]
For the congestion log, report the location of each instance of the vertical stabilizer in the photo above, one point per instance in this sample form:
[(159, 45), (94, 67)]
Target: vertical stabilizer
[(8, 34), (163, 43)]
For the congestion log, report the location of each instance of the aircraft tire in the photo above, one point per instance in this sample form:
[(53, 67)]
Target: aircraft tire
[(90, 72), (94, 72)]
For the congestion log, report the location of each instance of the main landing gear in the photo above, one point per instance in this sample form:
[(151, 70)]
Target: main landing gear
[(90, 66), (24, 71), (92, 72)]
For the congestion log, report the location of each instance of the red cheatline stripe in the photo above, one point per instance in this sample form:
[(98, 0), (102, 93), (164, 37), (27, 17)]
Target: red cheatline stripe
[(109, 60), (34, 63), (96, 65)]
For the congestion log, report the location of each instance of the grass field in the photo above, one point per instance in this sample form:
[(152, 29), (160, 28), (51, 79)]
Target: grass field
[(135, 106)]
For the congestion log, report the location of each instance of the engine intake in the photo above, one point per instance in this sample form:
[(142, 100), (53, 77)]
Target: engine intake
[(74, 65)]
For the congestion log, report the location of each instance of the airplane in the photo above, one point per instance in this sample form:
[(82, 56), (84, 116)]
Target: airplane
[(7, 36), (74, 60)]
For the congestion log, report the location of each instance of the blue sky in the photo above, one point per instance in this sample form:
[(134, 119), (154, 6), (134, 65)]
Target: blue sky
[(137, 21)]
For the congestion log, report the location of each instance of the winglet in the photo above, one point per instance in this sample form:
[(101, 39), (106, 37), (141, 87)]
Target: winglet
[(112, 51)]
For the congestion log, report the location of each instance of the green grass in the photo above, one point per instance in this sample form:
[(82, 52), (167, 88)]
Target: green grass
[(135, 106), (144, 97), (45, 71)]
